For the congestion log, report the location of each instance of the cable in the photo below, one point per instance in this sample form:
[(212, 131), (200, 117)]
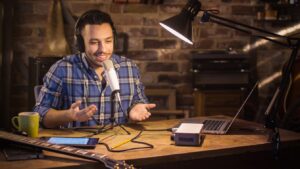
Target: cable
[(167, 129), (148, 145)]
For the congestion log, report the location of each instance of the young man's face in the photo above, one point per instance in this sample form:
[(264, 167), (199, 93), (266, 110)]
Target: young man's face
[(98, 42)]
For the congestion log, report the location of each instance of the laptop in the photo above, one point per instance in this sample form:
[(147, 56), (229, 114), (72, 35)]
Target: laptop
[(213, 125)]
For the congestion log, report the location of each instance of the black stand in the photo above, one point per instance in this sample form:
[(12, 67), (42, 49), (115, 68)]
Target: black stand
[(292, 43), (113, 110), (112, 107), (274, 106)]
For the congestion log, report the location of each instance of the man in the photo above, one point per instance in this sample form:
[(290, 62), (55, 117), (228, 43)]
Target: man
[(75, 90)]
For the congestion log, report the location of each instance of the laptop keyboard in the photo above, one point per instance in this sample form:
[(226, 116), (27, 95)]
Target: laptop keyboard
[(212, 124)]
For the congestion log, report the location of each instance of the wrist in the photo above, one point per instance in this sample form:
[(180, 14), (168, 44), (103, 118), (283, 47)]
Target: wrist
[(132, 106)]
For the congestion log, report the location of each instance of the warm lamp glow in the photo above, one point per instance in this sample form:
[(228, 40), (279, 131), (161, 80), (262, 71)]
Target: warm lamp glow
[(177, 34)]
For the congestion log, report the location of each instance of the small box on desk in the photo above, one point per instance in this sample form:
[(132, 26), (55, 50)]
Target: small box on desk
[(188, 134)]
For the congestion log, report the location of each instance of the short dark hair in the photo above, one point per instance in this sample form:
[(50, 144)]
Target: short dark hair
[(92, 17)]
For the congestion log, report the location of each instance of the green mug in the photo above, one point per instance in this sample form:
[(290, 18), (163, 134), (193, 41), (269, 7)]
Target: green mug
[(27, 122)]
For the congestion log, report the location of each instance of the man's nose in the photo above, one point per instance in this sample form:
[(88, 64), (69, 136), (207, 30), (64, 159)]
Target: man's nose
[(100, 46), (99, 50)]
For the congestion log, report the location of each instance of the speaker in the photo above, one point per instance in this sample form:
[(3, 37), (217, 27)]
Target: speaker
[(38, 67)]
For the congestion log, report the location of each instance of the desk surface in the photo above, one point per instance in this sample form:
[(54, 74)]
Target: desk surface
[(243, 137)]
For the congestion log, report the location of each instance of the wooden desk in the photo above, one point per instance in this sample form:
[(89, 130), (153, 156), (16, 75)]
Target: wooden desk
[(245, 146)]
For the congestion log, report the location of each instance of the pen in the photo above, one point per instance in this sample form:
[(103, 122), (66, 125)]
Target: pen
[(122, 143)]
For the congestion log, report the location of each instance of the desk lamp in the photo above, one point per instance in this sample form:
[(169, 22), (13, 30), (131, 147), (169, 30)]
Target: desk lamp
[(181, 26)]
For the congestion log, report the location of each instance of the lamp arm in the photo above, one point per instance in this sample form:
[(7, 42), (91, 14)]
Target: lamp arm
[(253, 31)]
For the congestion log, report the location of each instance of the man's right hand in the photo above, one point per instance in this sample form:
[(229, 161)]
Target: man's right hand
[(82, 115)]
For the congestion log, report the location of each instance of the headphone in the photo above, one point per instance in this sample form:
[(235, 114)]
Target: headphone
[(92, 17)]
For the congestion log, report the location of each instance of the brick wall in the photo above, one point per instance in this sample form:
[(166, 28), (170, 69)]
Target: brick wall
[(164, 60)]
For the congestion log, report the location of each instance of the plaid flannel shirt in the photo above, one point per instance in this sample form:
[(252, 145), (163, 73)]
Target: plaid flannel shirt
[(71, 79)]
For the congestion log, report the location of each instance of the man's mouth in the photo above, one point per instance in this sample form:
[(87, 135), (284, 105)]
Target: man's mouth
[(98, 53)]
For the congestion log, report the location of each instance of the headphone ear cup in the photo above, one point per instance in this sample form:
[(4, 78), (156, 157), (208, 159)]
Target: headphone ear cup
[(79, 43), (115, 41)]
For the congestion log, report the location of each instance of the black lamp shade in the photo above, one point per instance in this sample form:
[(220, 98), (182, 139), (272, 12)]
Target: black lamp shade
[(180, 26)]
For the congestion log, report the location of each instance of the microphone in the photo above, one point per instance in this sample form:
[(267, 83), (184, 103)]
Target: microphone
[(112, 78)]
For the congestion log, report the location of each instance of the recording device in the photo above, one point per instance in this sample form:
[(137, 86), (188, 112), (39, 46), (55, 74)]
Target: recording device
[(188, 134), (112, 78), (80, 142)]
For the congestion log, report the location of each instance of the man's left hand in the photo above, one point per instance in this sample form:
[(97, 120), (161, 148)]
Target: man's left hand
[(140, 112)]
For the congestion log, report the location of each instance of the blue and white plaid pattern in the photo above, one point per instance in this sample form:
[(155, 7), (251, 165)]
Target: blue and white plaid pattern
[(71, 79)]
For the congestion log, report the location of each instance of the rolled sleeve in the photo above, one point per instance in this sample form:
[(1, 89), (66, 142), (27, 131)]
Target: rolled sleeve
[(50, 94), (42, 110)]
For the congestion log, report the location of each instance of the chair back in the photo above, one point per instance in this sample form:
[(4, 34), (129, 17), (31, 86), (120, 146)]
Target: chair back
[(37, 90)]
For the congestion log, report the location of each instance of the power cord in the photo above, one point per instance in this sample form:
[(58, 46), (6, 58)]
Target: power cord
[(133, 140)]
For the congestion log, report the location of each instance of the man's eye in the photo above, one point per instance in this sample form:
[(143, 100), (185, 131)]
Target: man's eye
[(93, 43)]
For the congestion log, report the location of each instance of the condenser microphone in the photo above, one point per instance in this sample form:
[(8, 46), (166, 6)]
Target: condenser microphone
[(112, 78)]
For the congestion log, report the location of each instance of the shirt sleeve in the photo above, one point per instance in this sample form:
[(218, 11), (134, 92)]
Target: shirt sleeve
[(139, 96), (50, 95)]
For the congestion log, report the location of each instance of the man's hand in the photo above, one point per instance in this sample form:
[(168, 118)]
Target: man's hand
[(81, 115), (140, 112)]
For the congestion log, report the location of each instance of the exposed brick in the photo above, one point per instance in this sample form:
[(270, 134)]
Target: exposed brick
[(171, 8), (150, 21), (159, 44), (206, 33), (170, 54), (210, 5), (237, 1), (127, 19), (240, 33), (235, 44), (146, 32), (161, 67), (42, 7), (223, 32), (185, 66), (23, 31), (243, 10), (143, 55), (40, 32), (80, 8), (226, 1), (135, 43), (24, 8), (170, 2), (149, 78), (116, 8), (140, 9), (202, 44), (31, 19)]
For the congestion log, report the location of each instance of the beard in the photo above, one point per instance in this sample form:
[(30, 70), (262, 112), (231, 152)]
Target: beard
[(96, 59)]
